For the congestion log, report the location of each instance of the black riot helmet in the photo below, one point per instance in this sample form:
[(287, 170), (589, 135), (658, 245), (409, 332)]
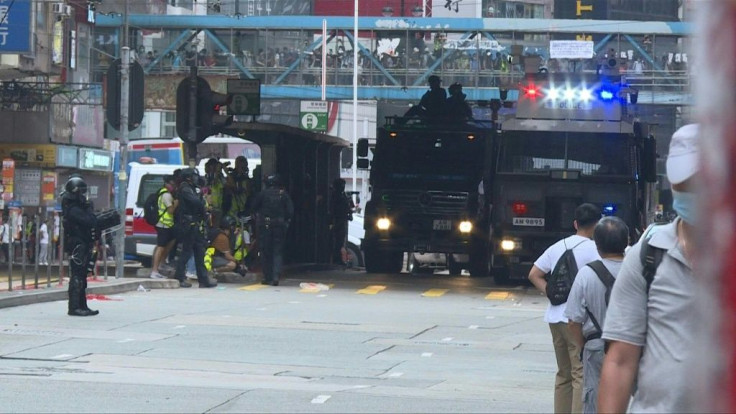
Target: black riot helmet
[(75, 186), (227, 223), (190, 174), (273, 180)]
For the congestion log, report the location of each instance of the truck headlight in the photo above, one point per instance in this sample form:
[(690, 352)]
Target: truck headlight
[(508, 245), (383, 223), (465, 226)]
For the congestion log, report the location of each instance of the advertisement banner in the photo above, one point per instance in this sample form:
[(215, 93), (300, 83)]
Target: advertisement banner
[(15, 26), (30, 155), (48, 188), (8, 178)]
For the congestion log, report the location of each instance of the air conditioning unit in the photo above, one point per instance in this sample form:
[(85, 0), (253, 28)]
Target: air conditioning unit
[(58, 8), (67, 10)]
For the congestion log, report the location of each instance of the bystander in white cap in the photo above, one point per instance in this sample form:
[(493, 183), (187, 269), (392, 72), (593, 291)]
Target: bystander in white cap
[(682, 161)]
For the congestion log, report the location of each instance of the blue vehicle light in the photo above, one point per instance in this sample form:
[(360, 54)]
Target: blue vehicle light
[(609, 209), (606, 95)]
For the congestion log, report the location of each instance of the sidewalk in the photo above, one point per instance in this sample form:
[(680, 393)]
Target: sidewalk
[(134, 277)]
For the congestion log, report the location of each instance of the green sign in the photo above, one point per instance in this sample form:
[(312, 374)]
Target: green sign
[(245, 97), (313, 115)]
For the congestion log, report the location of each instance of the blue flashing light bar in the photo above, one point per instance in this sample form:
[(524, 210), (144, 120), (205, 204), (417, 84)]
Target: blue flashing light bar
[(609, 209)]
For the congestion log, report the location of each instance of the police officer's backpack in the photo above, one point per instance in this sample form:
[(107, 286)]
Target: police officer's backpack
[(150, 208), (560, 280)]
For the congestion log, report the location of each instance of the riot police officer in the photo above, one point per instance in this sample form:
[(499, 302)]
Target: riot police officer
[(191, 220), (274, 209), (80, 228)]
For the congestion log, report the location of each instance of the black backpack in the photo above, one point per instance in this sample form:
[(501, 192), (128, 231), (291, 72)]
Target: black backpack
[(150, 208), (607, 279), (650, 257), (560, 280)]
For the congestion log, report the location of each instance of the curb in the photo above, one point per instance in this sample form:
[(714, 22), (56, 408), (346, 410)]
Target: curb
[(117, 286)]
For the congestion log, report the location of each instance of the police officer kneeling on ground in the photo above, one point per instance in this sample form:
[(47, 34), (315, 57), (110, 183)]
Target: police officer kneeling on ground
[(190, 218), (80, 231), (274, 209)]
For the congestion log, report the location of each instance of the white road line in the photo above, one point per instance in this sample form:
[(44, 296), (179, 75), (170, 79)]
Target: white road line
[(320, 399), (179, 327), (395, 374), (426, 354), (448, 339), (62, 356), (122, 341), (473, 327), (490, 317)]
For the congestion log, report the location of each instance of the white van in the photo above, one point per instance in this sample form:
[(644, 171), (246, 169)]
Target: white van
[(143, 180)]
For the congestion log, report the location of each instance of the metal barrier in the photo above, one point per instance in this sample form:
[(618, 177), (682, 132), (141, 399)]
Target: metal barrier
[(54, 252)]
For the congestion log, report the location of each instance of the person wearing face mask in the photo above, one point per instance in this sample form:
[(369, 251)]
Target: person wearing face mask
[(650, 322)]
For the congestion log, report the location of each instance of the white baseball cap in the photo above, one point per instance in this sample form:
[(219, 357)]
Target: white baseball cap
[(682, 161)]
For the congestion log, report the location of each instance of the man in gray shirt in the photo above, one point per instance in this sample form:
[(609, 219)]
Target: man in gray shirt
[(650, 328), (587, 303)]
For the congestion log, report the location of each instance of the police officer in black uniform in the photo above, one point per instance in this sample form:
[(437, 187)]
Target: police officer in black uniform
[(81, 234), (191, 220), (274, 209)]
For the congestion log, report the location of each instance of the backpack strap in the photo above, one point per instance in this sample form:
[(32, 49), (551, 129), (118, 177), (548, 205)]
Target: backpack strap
[(607, 279), (161, 192), (650, 257)]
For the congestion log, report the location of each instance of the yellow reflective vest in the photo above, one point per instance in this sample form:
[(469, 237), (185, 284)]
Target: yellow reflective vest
[(165, 218)]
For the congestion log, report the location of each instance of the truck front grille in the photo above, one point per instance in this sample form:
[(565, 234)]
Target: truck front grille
[(426, 202)]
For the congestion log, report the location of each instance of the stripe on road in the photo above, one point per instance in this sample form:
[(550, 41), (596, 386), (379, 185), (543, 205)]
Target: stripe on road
[(371, 290), (435, 293), (320, 399), (252, 288), (497, 296)]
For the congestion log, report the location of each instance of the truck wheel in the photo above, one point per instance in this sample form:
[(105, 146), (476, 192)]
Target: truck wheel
[(355, 257), (453, 266), (500, 275), (394, 261), (373, 261)]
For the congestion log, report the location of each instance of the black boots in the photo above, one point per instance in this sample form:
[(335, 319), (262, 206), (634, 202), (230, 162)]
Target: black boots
[(78, 299)]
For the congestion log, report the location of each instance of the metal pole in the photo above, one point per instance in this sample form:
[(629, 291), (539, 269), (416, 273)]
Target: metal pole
[(49, 250), (324, 59), (24, 252), (355, 95), (37, 244), (122, 174), (11, 249), (192, 149)]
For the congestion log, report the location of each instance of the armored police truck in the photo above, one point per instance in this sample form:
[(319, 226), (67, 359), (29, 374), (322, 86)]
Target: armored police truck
[(567, 143), (427, 179)]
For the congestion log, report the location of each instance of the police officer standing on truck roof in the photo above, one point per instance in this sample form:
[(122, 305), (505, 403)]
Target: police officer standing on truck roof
[(191, 219), (80, 227), (274, 209)]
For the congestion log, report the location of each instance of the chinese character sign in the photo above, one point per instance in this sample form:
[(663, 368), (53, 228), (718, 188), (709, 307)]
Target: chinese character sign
[(15, 26)]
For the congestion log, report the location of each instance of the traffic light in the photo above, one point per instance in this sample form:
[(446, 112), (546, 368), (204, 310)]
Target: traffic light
[(207, 120), (210, 105)]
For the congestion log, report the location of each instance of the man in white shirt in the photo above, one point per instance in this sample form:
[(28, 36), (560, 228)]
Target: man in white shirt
[(569, 379), (43, 244)]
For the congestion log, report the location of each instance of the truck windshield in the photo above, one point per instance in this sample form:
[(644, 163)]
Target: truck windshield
[(537, 152), (440, 158)]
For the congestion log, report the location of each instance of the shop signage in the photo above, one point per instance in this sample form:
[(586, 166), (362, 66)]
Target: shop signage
[(15, 27), (67, 156), (98, 160), (48, 188), (30, 155), (8, 178)]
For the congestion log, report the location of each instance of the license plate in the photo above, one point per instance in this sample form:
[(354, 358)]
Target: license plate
[(441, 225), (529, 221)]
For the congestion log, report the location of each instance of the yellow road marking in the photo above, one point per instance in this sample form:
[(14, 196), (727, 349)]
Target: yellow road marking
[(434, 293), (253, 287), (497, 296), (371, 290)]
